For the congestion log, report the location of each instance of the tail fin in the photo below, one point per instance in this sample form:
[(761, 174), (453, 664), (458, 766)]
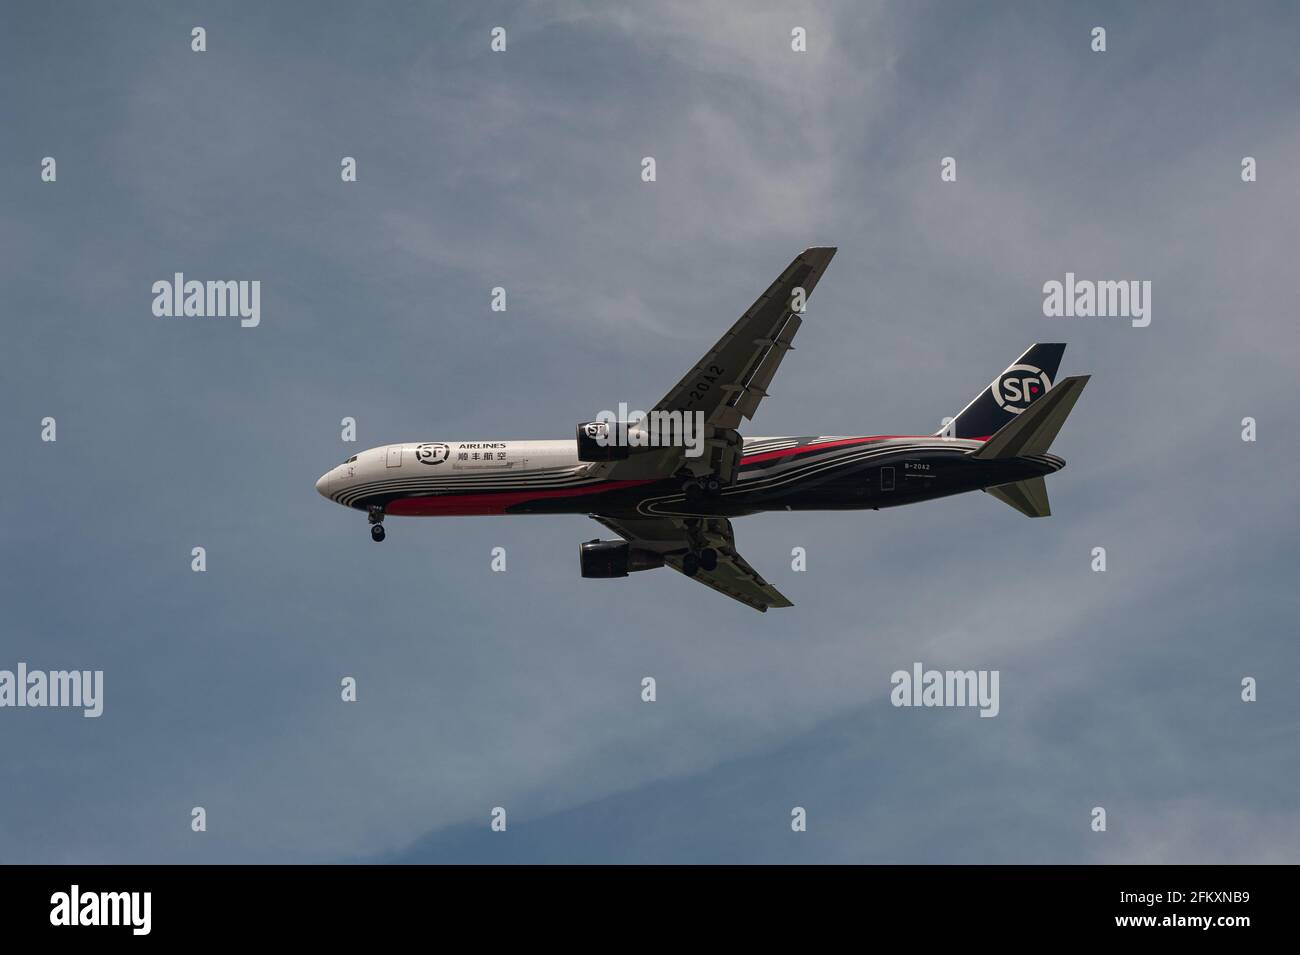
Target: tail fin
[(1026, 380), (1029, 496), (1034, 431)]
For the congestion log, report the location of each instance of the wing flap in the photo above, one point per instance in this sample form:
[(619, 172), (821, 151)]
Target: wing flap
[(756, 389)]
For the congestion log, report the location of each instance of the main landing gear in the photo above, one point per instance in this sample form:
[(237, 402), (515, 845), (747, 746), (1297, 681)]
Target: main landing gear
[(376, 518), (693, 563), (699, 557)]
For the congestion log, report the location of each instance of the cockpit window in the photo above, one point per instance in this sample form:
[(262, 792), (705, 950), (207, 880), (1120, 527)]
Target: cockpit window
[(350, 460)]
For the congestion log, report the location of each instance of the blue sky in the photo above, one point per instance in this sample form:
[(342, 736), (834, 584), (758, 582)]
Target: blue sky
[(522, 689)]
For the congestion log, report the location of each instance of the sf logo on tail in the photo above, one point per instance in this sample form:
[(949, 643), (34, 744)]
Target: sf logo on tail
[(1019, 386)]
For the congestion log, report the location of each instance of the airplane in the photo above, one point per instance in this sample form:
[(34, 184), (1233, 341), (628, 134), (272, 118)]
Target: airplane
[(671, 508)]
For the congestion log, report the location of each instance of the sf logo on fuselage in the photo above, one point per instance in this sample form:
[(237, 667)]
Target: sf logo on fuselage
[(432, 453), (1019, 386)]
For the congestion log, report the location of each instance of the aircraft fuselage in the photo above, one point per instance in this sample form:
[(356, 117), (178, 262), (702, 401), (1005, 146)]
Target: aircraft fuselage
[(430, 479)]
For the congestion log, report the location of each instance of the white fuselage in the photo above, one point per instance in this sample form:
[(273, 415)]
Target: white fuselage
[(456, 467)]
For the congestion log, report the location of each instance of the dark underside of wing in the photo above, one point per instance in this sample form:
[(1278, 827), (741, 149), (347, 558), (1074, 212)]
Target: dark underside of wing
[(674, 539)]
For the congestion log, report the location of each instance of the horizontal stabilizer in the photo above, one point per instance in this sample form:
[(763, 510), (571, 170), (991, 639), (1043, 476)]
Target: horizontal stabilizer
[(1034, 429), (1029, 496)]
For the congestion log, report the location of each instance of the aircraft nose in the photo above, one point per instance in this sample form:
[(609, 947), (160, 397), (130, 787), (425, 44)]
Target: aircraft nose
[(323, 485)]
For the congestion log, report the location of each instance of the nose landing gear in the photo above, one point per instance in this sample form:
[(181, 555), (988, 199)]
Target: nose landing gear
[(376, 518)]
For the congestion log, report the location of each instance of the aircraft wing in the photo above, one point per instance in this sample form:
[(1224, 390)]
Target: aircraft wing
[(731, 379), (671, 537)]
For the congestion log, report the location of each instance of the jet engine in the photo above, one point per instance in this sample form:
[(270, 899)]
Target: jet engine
[(615, 559), (591, 434)]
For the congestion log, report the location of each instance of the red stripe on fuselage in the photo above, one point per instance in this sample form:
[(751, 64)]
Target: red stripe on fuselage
[(465, 505), (844, 442)]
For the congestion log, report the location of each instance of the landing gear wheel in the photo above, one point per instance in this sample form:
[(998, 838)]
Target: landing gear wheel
[(712, 487), (690, 565), (708, 559), (376, 532)]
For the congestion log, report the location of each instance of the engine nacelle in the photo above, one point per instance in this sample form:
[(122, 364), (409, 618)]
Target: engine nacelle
[(590, 448), (615, 559)]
